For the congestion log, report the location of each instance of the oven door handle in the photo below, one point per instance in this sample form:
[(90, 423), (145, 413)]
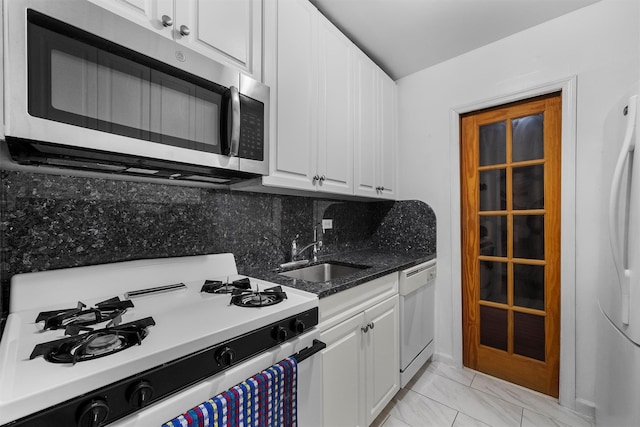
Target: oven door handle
[(309, 351)]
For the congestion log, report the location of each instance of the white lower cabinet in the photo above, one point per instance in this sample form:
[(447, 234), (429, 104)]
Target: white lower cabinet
[(361, 365), (382, 355), (343, 374)]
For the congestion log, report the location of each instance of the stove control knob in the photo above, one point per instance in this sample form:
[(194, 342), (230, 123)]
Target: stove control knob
[(298, 326), (226, 356), (279, 333), (93, 414), (140, 394)]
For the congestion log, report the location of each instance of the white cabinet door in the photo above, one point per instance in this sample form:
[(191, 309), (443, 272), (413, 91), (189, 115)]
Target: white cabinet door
[(335, 143), (366, 126), (229, 31), (343, 374), (361, 364), (388, 138), (147, 13), (313, 135), (294, 142), (375, 130), (382, 355)]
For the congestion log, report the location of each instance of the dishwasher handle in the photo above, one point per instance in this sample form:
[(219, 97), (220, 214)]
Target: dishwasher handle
[(309, 351)]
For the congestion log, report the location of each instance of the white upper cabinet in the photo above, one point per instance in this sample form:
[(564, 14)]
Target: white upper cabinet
[(366, 125), (335, 142), (388, 148), (229, 31), (311, 101), (375, 130), (332, 109), (291, 72)]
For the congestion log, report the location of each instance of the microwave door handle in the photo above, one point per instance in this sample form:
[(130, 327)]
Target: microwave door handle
[(234, 142)]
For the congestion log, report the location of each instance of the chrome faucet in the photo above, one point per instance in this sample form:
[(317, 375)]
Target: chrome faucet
[(317, 244)]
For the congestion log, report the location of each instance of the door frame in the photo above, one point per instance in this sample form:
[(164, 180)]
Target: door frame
[(567, 391)]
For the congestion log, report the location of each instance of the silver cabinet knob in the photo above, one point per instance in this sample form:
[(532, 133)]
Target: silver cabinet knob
[(167, 21), (365, 329), (322, 178), (316, 178), (184, 30)]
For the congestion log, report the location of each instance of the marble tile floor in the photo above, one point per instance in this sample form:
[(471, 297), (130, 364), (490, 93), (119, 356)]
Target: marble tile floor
[(440, 395)]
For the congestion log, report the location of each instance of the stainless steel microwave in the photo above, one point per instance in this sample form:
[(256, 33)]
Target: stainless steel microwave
[(87, 89)]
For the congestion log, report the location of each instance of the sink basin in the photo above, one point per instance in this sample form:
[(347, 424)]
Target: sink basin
[(323, 272)]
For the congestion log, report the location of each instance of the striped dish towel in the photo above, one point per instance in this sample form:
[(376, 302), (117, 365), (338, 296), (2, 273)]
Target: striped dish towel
[(266, 399)]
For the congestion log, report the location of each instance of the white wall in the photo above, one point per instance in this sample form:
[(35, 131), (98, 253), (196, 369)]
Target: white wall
[(600, 45)]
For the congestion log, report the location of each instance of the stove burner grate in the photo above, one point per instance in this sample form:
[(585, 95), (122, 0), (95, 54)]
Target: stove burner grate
[(79, 317), (218, 287), (92, 345), (256, 298)]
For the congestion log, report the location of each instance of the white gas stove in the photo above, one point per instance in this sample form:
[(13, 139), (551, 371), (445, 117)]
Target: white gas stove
[(189, 333)]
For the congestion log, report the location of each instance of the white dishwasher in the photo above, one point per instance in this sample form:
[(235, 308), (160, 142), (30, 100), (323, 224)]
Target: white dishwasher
[(417, 293)]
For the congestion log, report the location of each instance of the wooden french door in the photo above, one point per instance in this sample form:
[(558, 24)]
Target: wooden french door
[(510, 179)]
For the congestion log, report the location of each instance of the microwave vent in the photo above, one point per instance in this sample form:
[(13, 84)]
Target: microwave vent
[(37, 153)]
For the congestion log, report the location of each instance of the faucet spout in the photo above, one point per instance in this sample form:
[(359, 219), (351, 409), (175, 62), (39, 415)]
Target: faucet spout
[(316, 244)]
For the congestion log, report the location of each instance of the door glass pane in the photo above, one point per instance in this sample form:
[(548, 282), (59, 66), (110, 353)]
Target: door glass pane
[(493, 142), (528, 138), (493, 281), (493, 235), (528, 187), (528, 236), (493, 327), (528, 335), (528, 286), (493, 190)]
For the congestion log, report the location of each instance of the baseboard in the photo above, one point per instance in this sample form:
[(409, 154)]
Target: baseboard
[(447, 359), (586, 408)]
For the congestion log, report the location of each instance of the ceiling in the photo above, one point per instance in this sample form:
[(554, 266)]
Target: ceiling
[(405, 36)]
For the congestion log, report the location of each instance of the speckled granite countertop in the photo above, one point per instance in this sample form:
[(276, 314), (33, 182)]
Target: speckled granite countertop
[(380, 264)]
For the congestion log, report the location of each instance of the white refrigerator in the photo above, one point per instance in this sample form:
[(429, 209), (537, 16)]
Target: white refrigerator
[(618, 352)]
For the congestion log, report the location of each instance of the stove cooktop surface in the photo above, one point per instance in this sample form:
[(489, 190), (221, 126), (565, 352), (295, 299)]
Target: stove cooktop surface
[(186, 321)]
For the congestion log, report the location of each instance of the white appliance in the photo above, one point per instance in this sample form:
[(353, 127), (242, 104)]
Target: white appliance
[(417, 293), (87, 89), (195, 344), (618, 370)]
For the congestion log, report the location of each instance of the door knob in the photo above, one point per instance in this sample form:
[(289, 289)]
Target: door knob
[(184, 30), (166, 21)]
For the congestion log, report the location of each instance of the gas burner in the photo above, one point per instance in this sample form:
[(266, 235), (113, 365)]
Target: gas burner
[(217, 287), (94, 344), (265, 298), (79, 317)]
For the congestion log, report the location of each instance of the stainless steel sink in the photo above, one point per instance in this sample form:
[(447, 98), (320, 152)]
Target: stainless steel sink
[(323, 272)]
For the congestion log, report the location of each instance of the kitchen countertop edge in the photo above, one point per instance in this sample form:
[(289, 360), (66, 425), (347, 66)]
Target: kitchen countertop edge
[(380, 263)]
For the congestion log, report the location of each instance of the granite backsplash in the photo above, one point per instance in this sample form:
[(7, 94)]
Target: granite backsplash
[(51, 221)]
